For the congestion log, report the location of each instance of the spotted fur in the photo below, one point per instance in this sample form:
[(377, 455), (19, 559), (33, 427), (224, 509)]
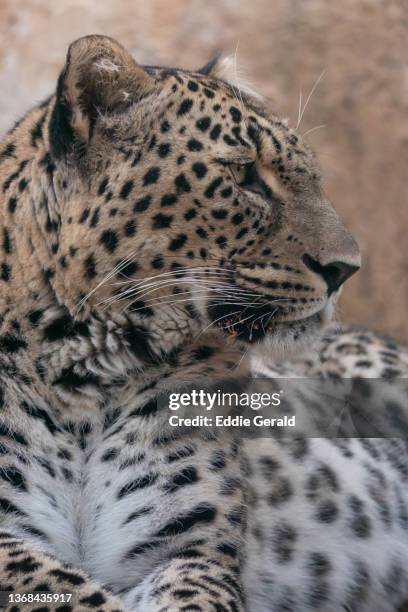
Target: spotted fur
[(160, 226)]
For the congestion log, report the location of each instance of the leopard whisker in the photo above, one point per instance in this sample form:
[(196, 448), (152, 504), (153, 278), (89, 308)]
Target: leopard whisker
[(136, 294), (141, 293), (316, 83)]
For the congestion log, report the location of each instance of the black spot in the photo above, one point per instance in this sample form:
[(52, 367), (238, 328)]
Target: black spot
[(90, 267), (168, 199), (15, 435), (163, 150), (182, 184), (137, 513), (283, 542), (130, 228), (227, 549), (22, 184), (219, 213), (241, 233), (137, 338), (14, 175), (6, 241), (235, 114), (282, 491), (216, 131), (151, 176), (202, 233), (11, 344), (94, 601), (14, 476), (152, 142), (110, 454), (140, 307), (12, 204), (66, 576), (161, 221), (135, 485), (226, 193), (361, 526), (102, 186), (180, 453), (210, 191), (24, 566), (192, 85), (184, 107), (148, 409), (39, 413), (178, 242), (230, 141), (5, 273), (185, 594), (110, 240), (142, 204), (190, 214), (327, 511), (48, 273), (158, 262), (165, 127), (194, 145), (237, 517), (48, 164), (7, 507), (277, 144), (230, 485), (318, 564), (95, 218), (84, 215), (72, 381), (203, 124), (34, 316), (299, 448), (187, 476), (208, 92), (203, 513), (8, 151), (63, 453), (141, 548), (65, 327), (218, 460), (126, 189), (199, 169)]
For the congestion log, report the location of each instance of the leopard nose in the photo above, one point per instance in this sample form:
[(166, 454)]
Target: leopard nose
[(334, 273)]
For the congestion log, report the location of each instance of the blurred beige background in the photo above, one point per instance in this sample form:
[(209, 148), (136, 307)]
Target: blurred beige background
[(283, 47)]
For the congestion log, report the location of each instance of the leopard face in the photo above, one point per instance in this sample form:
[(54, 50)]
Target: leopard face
[(185, 204)]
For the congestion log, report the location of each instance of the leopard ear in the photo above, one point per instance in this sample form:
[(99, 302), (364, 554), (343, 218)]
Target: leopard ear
[(222, 67), (99, 77), (210, 66)]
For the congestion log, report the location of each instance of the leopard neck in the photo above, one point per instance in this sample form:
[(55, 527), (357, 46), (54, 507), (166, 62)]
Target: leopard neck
[(94, 353)]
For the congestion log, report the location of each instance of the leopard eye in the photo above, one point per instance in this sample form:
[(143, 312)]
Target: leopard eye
[(246, 176), (239, 172)]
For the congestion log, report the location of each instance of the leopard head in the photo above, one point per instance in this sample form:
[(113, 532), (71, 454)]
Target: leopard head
[(184, 204)]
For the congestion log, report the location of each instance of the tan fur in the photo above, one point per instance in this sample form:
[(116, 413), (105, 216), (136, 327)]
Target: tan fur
[(123, 230)]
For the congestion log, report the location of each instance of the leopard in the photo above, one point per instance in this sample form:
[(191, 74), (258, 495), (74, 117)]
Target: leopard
[(164, 227)]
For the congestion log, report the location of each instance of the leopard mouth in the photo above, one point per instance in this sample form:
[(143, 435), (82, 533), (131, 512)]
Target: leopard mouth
[(253, 323)]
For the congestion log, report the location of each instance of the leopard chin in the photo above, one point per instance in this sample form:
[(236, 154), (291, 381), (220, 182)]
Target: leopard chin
[(295, 339)]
